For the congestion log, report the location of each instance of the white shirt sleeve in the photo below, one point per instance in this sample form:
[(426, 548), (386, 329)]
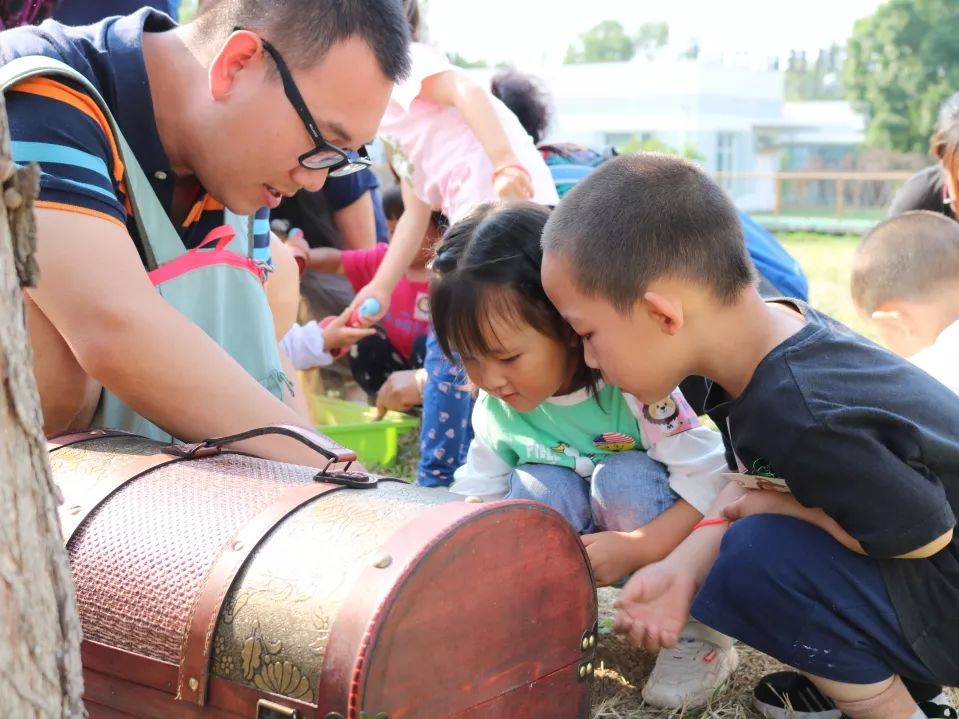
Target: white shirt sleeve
[(693, 454), (303, 344), (485, 474)]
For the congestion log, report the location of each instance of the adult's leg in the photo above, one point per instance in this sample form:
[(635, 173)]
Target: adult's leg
[(445, 429), (557, 487), (628, 490)]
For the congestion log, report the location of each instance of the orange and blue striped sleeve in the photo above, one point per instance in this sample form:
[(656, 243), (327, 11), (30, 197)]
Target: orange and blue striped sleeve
[(62, 129)]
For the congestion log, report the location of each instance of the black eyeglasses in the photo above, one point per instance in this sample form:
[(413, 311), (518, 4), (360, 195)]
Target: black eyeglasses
[(324, 155)]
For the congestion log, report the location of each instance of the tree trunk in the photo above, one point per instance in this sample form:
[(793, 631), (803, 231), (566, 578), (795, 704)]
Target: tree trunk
[(40, 674)]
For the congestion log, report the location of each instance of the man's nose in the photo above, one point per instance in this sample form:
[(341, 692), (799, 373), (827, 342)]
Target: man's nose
[(310, 180)]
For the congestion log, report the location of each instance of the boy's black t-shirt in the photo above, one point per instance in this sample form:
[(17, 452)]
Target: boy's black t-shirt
[(872, 440)]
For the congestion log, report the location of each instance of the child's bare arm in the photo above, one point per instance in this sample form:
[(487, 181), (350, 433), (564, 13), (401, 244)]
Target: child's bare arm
[(405, 243), (613, 555), (456, 89), (325, 259), (771, 502), (654, 605)]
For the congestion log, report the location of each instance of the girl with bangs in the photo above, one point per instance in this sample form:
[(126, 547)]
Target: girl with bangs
[(632, 479)]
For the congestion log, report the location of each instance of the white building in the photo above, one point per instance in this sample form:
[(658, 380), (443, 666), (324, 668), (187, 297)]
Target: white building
[(730, 114)]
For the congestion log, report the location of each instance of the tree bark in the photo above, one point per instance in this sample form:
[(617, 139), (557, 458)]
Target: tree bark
[(40, 673)]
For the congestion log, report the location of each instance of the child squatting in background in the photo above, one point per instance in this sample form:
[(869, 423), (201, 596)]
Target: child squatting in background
[(905, 283), (633, 479), (399, 345)]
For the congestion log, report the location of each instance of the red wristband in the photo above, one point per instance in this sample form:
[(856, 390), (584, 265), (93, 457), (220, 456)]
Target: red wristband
[(710, 522), (499, 171)]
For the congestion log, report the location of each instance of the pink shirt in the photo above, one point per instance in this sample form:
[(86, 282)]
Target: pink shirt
[(433, 148), (409, 313)]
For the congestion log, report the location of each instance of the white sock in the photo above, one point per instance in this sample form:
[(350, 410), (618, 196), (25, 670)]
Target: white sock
[(698, 630), (918, 715)]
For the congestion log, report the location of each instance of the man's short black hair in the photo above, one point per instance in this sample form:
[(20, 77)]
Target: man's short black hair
[(640, 217), (304, 30), (910, 256)]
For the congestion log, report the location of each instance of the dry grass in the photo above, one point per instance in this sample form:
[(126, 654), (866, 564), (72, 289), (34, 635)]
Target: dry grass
[(623, 671)]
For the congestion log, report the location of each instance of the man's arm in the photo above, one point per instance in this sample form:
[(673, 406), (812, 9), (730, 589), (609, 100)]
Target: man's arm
[(283, 287), (325, 259), (129, 339), (357, 223)]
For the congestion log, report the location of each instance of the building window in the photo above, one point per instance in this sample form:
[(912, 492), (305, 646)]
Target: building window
[(726, 158)]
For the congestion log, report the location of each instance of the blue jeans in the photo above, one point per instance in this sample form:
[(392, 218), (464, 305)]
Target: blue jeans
[(445, 429), (627, 490)]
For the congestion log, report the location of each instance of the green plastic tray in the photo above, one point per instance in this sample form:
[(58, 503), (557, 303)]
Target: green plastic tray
[(355, 426)]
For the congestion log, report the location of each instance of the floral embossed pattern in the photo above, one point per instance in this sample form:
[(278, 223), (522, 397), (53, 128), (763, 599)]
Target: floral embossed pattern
[(276, 621)]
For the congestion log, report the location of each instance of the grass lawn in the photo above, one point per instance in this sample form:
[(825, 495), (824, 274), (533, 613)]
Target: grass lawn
[(826, 260)]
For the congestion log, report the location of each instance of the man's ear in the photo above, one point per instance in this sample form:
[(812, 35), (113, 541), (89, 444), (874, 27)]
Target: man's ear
[(665, 310), (238, 52)]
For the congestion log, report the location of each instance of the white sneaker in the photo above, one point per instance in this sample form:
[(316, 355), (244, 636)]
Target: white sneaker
[(689, 674)]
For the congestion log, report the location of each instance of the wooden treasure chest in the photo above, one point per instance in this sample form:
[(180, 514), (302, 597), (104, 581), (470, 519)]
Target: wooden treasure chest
[(215, 584)]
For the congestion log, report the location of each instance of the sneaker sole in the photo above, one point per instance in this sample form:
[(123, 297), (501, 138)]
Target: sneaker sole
[(770, 712)]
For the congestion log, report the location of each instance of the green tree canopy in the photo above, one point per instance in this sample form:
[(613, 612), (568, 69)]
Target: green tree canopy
[(820, 79), (606, 42), (652, 36), (901, 63)]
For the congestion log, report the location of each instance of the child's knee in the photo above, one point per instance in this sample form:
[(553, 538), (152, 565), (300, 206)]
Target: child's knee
[(629, 490), (557, 487)]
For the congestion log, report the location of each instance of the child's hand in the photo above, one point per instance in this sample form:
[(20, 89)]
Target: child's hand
[(654, 606), (297, 242), (375, 292), (612, 555), (402, 390), (512, 182), (337, 336), (764, 501)]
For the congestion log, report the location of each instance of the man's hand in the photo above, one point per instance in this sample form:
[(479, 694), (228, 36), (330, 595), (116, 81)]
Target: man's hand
[(402, 391), (612, 555), (337, 335), (654, 606)]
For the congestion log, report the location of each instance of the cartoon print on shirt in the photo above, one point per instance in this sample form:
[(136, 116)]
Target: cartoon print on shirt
[(668, 417), (614, 442), (664, 413), (583, 466)]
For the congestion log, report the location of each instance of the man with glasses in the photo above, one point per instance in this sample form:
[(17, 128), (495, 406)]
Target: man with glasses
[(249, 103)]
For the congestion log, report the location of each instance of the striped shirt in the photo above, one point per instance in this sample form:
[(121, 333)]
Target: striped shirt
[(56, 124)]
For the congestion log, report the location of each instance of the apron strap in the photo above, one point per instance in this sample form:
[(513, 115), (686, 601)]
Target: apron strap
[(160, 246)]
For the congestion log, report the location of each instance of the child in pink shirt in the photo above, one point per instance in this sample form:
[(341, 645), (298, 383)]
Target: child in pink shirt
[(399, 342)]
